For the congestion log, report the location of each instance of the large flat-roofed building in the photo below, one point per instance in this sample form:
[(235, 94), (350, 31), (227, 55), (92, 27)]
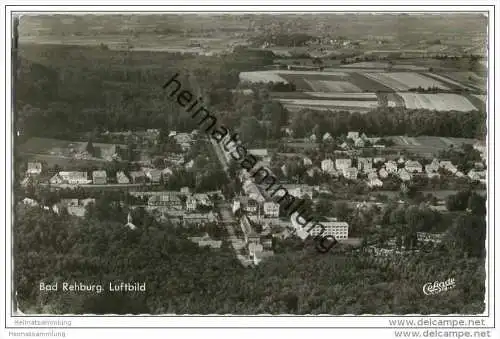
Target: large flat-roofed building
[(337, 229)]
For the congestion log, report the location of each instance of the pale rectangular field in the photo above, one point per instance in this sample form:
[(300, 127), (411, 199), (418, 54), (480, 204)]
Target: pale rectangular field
[(365, 96), (330, 103), (264, 76), (438, 102), (328, 73), (403, 81), (332, 86)]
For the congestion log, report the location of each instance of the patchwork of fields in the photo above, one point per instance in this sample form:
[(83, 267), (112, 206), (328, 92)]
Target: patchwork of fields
[(363, 90)]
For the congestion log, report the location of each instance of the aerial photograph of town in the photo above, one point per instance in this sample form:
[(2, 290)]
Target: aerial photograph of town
[(249, 163)]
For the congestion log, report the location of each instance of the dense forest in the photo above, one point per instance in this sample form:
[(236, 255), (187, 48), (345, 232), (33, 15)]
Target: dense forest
[(184, 279)]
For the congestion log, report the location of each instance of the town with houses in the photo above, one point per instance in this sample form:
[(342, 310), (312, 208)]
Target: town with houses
[(250, 220)]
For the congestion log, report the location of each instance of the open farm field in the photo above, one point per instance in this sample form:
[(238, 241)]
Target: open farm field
[(325, 96), (328, 86), (403, 81), (50, 146), (331, 103), (450, 82), (469, 79), (427, 146), (431, 141), (345, 96), (263, 76), (438, 102), (67, 163), (57, 147), (379, 65), (367, 84)]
